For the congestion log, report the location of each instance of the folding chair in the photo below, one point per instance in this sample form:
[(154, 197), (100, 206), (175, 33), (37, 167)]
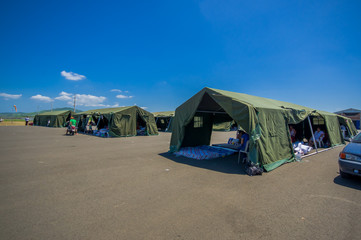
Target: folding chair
[(245, 151)]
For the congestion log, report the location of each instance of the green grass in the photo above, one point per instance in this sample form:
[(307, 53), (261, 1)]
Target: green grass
[(14, 120)]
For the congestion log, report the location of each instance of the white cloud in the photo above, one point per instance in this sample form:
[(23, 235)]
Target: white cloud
[(42, 98), (7, 96), (72, 76), (144, 108), (90, 100), (116, 90), (123, 96), (115, 105), (64, 96)]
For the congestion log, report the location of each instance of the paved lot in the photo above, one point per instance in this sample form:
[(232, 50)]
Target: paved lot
[(61, 187)]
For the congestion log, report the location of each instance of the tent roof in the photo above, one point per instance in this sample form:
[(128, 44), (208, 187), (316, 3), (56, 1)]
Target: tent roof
[(105, 110), (54, 113), (164, 114), (258, 102), (109, 110)]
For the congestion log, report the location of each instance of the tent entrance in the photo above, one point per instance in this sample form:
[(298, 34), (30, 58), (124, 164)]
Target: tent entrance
[(308, 126), (141, 126), (102, 122), (163, 123), (199, 130)]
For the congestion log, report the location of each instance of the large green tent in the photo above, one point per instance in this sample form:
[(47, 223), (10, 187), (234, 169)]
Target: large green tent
[(121, 121), (265, 120), (57, 118), (164, 120)]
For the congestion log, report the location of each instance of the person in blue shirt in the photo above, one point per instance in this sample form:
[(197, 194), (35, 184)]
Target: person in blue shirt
[(243, 139)]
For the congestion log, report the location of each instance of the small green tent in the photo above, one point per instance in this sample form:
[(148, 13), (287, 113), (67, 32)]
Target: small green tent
[(57, 118), (164, 120), (265, 120), (121, 121)]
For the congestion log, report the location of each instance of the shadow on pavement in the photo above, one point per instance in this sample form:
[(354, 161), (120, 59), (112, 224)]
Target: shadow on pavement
[(351, 182), (225, 165)]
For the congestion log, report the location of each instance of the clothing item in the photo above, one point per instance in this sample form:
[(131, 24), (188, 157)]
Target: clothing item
[(318, 135), (72, 122)]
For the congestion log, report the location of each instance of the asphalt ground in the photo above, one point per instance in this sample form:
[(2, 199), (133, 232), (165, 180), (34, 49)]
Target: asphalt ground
[(83, 187)]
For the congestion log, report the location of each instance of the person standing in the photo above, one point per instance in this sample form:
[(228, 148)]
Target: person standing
[(293, 134), (27, 121), (72, 124), (343, 130)]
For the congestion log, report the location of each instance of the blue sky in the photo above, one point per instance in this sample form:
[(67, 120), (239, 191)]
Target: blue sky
[(160, 53)]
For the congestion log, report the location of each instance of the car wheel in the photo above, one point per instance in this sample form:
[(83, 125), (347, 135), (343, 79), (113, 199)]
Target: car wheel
[(344, 175)]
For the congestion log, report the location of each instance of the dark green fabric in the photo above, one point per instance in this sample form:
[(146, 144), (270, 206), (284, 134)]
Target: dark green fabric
[(57, 118), (333, 128), (265, 120), (122, 121), (223, 126), (195, 136)]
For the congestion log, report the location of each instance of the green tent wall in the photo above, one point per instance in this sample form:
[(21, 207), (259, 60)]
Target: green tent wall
[(57, 118), (265, 120)]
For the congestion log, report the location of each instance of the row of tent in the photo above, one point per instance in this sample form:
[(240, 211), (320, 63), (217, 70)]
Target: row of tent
[(265, 120), (125, 127), (121, 121)]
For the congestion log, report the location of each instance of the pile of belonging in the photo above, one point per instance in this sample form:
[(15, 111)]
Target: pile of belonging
[(253, 170), (300, 149), (203, 152), (141, 132), (101, 133)]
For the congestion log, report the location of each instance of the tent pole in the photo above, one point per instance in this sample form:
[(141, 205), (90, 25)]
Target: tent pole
[(313, 136), (170, 120)]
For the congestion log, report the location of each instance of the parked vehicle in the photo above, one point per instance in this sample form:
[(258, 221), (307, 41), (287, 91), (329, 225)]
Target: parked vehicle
[(349, 160)]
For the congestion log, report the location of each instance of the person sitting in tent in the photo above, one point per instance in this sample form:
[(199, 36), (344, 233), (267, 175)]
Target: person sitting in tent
[(293, 134), (244, 137), (319, 135), (240, 141)]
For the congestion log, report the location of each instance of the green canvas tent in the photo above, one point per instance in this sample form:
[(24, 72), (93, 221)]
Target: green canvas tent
[(164, 120), (57, 118), (265, 120), (121, 121)]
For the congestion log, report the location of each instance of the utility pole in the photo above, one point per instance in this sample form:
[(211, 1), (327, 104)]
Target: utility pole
[(51, 106), (74, 101)]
